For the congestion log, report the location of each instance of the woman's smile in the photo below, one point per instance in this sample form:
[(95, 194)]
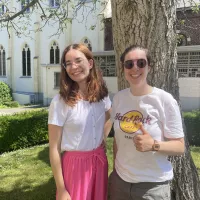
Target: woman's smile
[(135, 76), (77, 73)]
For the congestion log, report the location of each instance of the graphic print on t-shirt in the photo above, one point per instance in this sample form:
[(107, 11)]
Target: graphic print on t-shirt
[(129, 122)]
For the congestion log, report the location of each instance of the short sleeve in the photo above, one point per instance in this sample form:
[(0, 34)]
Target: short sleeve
[(57, 111), (107, 102), (173, 127)]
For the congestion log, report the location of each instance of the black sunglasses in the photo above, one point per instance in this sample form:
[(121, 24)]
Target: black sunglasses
[(141, 63)]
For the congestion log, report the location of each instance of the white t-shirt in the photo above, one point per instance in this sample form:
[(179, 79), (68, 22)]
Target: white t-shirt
[(82, 124), (160, 115)]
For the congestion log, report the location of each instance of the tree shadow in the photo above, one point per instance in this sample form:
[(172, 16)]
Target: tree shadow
[(195, 149), (44, 155), (46, 191)]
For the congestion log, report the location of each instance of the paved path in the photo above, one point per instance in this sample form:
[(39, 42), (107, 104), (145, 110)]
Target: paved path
[(10, 111)]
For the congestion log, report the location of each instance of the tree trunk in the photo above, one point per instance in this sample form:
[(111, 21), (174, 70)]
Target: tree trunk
[(152, 24)]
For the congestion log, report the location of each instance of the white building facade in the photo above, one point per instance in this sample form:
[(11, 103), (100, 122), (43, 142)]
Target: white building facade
[(31, 65)]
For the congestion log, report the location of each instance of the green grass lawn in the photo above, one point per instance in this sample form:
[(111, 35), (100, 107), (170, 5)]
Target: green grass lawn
[(26, 174), (196, 157)]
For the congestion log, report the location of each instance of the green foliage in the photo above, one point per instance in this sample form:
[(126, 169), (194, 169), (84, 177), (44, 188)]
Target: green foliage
[(2, 106), (5, 93), (30, 128), (182, 22), (23, 130), (195, 151), (179, 39), (192, 123), (11, 104), (26, 175), (195, 8), (92, 27)]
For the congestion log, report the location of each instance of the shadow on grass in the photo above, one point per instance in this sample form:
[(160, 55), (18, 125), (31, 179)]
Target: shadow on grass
[(42, 192), (195, 149), (45, 191), (44, 156)]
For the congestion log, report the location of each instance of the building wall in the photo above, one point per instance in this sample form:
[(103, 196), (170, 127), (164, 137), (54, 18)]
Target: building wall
[(41, 87), (40, 83), (189, 89), (49, 89), (83, 28), (76, 32), (5, 43), (188, 25)]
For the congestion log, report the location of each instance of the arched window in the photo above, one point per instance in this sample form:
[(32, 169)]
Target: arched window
[(54, 3), (85, 1), (2, 61), (87, 42), (24, 3), (54, 54), (2, 9), (26, 61)]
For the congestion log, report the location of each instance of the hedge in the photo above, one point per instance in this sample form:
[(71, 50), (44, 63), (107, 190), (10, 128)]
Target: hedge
[(192, 123), (30, 128), (11, 104), (23, 130), (5, 93)]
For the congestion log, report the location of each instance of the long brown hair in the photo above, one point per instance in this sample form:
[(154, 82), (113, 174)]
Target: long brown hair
[(96, 86)]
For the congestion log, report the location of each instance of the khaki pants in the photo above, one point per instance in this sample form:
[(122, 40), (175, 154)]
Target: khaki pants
[(121, 190)]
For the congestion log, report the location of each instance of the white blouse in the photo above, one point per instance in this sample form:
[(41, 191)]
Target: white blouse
[(82, 124)]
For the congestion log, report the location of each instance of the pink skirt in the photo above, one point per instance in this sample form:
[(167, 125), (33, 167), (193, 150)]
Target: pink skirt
[(86, 174)]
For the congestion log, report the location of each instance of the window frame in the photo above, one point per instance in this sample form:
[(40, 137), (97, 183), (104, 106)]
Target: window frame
[(57, 80), (85, 1), (3, 9), (54, 53), (188, 64), (2, 62), (24, 4), (55, 4), (107, 64), (26, 61)]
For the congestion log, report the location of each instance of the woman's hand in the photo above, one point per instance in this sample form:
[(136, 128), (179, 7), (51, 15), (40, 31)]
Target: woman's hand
[(63, 195), (143, 142)]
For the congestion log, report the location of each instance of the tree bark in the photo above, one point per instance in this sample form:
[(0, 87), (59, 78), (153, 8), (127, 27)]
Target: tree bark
[(152, 25)]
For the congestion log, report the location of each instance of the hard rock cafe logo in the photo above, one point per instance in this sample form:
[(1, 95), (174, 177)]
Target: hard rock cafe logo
[(129, 122)]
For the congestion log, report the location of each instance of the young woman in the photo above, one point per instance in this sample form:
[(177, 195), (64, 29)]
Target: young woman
[(78, 119), (148, 128)]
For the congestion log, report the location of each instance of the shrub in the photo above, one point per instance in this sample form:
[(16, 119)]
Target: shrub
[(23, 130), (192, 123), (5, 93), (11, 104)]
